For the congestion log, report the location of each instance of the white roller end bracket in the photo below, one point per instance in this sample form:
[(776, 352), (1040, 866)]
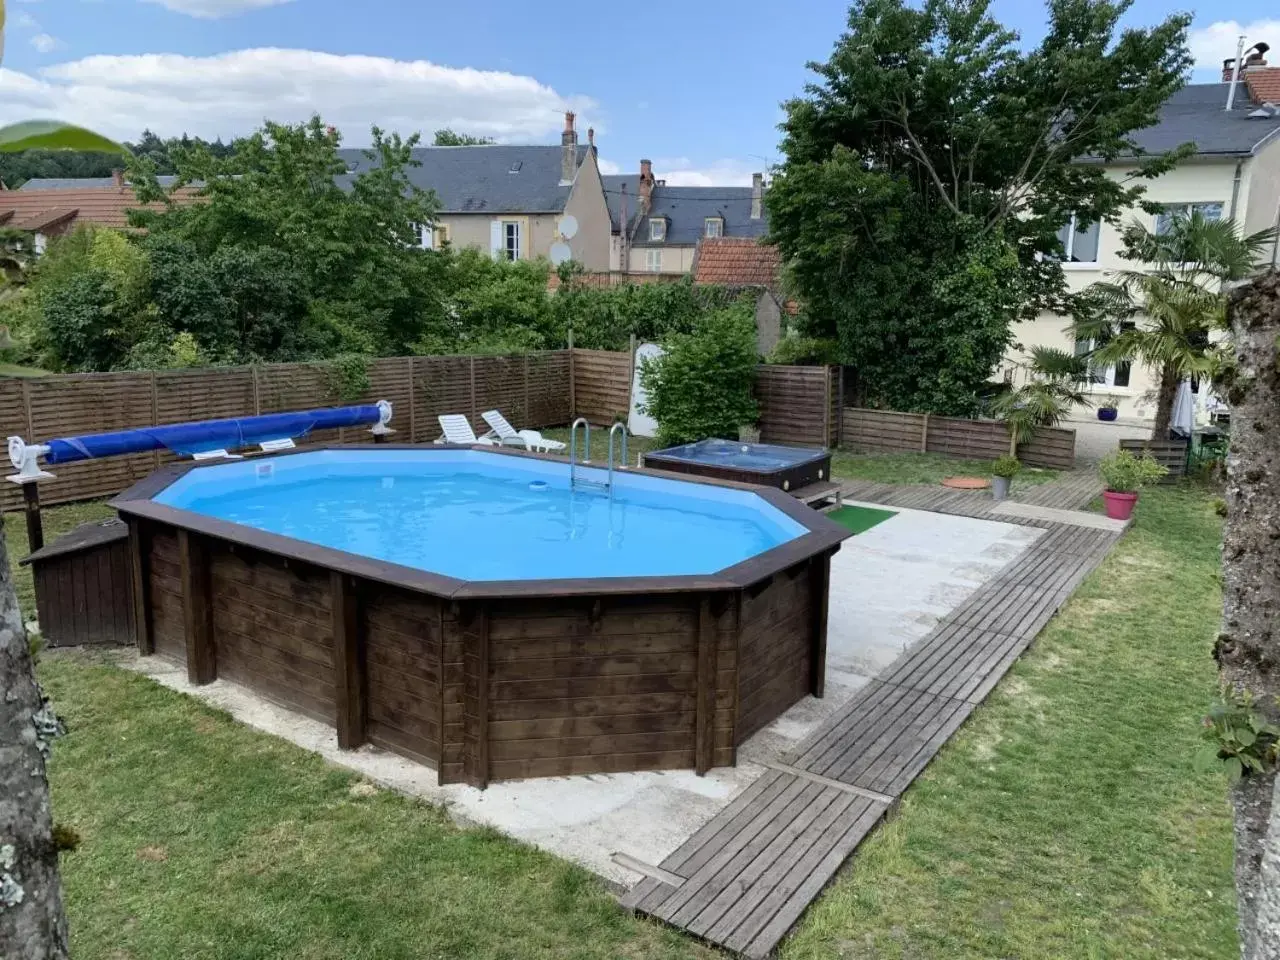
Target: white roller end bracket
[(25, 459), (380, 428)]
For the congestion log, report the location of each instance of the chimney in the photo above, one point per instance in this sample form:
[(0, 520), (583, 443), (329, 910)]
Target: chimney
[(1228, 69), (591, 136), (117, 178), (757, 196), (644, 191), (568, 150)]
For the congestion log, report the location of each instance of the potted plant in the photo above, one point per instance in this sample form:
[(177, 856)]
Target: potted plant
[(1108, 410), (1124, 475), (1002, 473)]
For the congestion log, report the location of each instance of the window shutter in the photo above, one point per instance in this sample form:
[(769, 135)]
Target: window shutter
[(519, 241), (425, 236), (495, 239)]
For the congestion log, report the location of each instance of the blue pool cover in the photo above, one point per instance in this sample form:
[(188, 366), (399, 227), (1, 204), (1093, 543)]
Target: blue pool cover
[(484, 516), (755, 457)]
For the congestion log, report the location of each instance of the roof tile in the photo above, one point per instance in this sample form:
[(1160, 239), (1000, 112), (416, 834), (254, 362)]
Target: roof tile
[(738, 262)]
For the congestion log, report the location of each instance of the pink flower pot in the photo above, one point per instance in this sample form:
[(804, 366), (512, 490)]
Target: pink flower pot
[(1119, 506)]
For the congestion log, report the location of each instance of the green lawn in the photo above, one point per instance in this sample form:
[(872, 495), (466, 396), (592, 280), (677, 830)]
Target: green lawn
[(923, 468), (17, 370), (1064, 820)]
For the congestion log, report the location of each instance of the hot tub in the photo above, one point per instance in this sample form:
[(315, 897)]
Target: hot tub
[(771, 465), (467, 608)]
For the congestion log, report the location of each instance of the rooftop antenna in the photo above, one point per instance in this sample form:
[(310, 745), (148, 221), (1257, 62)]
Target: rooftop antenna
[(1235, 71)]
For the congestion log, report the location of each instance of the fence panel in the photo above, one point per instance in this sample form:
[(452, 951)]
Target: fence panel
[(13, 423), (796, 405), (1171, 454), (440, 385), (1051, 447), (389, 379), (969, 439), (601, 384), (882, 431), (548, 389), (300, 386), (500, 386)]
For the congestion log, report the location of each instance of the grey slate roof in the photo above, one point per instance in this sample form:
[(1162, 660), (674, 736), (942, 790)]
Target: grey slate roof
[(481, 179), (1197, 114), (686, 210), (79, 183)]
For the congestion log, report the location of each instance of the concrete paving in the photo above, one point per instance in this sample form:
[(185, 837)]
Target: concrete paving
[(889, 586), (1077, 518)]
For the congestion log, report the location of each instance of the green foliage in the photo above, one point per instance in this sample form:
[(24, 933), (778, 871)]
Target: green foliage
[(1163, 313), (702, 385), (1006, 466), (348, 376), (799, 349), (53, 135), (929, 167), (451, 138), (604, 319), (1239, 738), (1054, 385), (1123, 472)]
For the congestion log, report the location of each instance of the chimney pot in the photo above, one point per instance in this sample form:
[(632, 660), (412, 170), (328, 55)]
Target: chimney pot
[(117, 178), (591, 136), (569, 117), (1228, 68), (757, 196), (644, 191)]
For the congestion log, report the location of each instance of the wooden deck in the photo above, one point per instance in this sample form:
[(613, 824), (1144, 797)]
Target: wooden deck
[(748, 874)]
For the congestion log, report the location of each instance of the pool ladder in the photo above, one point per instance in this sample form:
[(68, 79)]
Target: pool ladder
[(574, 479)]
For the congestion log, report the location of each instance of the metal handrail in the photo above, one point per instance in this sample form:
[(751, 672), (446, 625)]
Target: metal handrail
[(573, 448), (613, 430)]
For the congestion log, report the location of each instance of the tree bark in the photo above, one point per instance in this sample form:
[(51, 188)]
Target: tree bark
[(32, 923), (1248, 649), (1166, 394)]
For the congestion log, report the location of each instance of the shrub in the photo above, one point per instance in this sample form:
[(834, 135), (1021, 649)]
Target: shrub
[(1006, 466), (702, 385), (1124, 473)]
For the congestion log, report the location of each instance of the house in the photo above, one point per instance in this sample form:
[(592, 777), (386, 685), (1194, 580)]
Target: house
[(1235, 172), (656, 228), (741, 263), (511, 199), (51, 207)]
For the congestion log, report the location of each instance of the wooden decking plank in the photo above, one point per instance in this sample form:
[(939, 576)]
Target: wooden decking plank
[(859, 732)]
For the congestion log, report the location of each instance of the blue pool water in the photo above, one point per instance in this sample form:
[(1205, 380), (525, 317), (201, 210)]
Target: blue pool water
[(483, 516), (759, 457)]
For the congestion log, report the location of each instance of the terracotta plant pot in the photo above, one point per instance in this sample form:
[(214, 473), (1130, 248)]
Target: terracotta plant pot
[(1119, 506)]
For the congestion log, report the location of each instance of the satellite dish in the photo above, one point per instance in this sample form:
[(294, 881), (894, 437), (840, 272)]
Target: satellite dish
[(568, 226), (560, 253)]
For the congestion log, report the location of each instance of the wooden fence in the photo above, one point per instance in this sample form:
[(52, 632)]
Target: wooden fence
[(530, 389), (798, 405), (601, 385), (887, 431), (1170, 454)]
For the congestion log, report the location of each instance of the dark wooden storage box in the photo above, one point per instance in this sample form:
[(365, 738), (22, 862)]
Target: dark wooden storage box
[(84, 589)]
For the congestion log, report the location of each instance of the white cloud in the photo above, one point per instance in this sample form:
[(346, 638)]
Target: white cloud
[(44, 43), (1217, 42), (24, 19), (609, 168), (682, 172), (215, 9), (232, 93)]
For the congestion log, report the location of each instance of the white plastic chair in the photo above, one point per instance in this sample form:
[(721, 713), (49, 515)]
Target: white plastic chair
[(500, 427), (457, 429)]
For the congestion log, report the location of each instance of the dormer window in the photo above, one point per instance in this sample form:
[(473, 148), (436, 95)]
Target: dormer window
[(657, 229), (515, 167), (713, 227)]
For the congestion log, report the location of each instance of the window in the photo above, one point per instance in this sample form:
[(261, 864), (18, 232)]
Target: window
[(1079, 243), (432, 236), (657, 230), (653, 261), (510, 244), (1171, 211), (714, 227), (1117, 376)]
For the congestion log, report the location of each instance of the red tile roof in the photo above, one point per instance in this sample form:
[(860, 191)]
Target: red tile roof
[(40, 209), (737, 262), (1264, 84)]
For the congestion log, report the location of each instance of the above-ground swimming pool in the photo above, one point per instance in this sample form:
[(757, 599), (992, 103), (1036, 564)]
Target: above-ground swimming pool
[(467, 608), (772, 465)]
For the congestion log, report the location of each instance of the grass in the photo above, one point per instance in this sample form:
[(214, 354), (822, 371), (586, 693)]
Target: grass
[(1064, 820), (924, 468), (600, 444), (202, 838), (18, 370), (57, 520)]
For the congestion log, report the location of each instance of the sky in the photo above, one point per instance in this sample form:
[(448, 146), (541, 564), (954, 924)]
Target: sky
[(694, 85)]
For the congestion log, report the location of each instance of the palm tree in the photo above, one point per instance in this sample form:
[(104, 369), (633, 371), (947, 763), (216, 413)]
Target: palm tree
[(1163, 316), (1055, 384)]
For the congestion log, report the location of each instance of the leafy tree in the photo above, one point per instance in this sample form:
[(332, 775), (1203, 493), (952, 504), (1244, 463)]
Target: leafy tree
[(489, 306), (930, 166), (1164, 312), (604, 319), (701, 386), (449, 138)]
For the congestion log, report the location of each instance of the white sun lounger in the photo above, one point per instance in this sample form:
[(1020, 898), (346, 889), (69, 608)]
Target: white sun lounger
[(501, 428), (457, 429)]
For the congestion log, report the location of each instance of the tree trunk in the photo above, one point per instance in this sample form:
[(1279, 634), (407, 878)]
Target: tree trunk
[(32, 924), (1248, 649), (1166, 394)]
